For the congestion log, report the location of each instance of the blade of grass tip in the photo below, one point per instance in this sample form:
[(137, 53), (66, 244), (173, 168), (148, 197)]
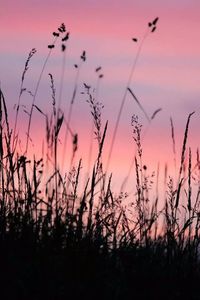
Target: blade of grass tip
[(173, 142), (99, 159), (124, 97), (139, 104), (155, 113), (102, 143), (184, 145)]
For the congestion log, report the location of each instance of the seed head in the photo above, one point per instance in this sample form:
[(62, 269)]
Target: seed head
[(83, 56), (55, 34), (63, 47), (66, 37)]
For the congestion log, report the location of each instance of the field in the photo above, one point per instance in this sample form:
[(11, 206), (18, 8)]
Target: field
[(66, 237)]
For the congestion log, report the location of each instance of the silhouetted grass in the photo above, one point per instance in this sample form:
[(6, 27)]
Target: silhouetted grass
[(57, 242)]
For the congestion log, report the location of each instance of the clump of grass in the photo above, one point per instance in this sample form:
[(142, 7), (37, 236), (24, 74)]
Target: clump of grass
[(61, 237)]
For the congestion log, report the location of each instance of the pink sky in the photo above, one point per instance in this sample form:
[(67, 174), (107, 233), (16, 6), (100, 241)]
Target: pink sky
[(166, 76)]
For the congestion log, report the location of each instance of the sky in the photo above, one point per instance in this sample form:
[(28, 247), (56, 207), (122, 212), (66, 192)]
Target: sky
[(166, 74)]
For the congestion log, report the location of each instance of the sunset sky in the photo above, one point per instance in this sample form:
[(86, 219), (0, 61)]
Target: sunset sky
[(167, 73)]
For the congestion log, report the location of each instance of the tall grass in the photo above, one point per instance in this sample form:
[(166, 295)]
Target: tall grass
[(60, 237)]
